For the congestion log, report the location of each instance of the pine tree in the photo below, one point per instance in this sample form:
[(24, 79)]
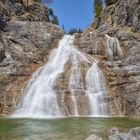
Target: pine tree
[(48, 1), (97, 7), (55, 20), (63, 27), (74, 30), (107, 2), (51, 13), (27, 5)]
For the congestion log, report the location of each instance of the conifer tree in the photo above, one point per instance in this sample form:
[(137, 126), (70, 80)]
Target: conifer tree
[(107, 2), (48, 1), (55, 20), (97, 7)]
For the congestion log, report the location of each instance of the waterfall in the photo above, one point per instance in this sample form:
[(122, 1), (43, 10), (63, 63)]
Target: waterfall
[(95, 85), (113, 50), (41, 97)]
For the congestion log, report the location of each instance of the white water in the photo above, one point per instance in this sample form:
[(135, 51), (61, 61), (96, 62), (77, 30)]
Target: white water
[(73, 83), (113, 48), (40, 96), (96, 91), (75, 80)]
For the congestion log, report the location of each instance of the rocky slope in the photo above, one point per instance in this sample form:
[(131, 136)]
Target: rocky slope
[(23, 10), (120, 20), (26, 38)]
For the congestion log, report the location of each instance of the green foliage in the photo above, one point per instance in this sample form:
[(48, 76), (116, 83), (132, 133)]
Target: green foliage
[(51, 13), (74, 30), (97, 7), (107, 2), (63, 27), (55, 20), (48, 1)]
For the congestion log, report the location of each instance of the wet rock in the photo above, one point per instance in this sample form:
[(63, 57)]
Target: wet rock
[(113, 131), (133, 134), (93, 137), (122, 136)]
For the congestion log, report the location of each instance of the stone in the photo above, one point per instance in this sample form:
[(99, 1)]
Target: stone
[(93, 137), (17, 10), (2, 55), (113, 131), (133, 134), (120, 136), (123, 13)]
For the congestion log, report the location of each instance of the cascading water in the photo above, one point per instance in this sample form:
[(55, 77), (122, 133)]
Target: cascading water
[(113, 48), (95, 86), (41, 97)]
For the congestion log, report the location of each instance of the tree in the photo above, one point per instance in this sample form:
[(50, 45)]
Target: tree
[(63, 27), (55, 20), (27, 4), (97, 7), (49, 1), (74, 30), (51, 12), (109, 2)]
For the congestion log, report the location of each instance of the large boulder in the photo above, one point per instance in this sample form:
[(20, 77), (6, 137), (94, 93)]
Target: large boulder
[(133, 134)]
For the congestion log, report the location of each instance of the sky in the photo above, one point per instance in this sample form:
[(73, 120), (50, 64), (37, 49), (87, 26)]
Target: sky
[(73, 13)]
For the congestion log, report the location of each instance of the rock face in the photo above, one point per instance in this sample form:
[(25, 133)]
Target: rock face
[(120, 20), (133, 134), (24, 46), (33, 10)]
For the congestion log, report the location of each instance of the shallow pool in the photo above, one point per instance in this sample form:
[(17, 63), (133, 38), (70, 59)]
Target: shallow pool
[(62, 128)]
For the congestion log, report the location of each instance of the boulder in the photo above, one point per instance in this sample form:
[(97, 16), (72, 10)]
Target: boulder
[(113, 131), (93, 137), (133, 134)]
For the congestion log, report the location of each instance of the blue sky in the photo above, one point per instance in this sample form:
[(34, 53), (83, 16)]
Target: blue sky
[(73, 13)]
